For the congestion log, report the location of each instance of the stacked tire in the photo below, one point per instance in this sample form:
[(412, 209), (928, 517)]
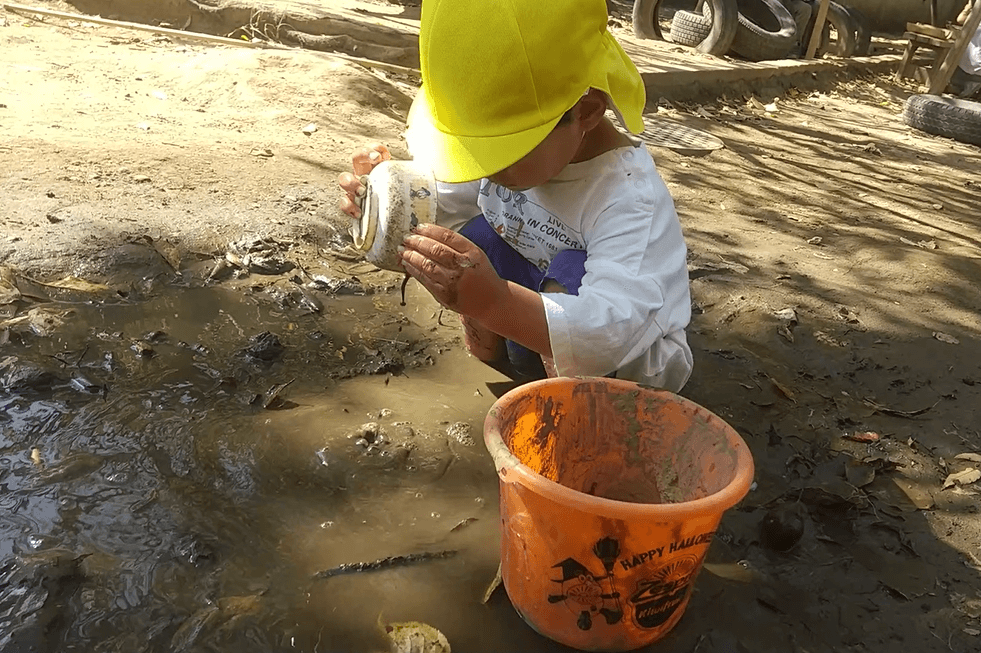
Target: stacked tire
[(756, 30), (710, 29)]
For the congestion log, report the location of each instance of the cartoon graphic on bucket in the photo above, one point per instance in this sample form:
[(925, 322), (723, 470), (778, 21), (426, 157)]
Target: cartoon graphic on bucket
[(659, 595), (582, 591)]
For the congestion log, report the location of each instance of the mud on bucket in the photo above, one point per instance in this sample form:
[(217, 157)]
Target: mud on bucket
[(610, 495)]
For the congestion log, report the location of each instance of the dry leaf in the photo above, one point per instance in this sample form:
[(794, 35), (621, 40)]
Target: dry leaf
[(943, 337), (973, 457), (863, 436), (81, 285), (8, 286), (965, 477), (858, 473), (925, 244), (497, 582), (783, 390), (415, 637), (787, 314), (41, 320)]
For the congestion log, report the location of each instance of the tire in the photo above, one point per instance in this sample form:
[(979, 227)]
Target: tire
[(724, 15), (863, 33), (766, 30), (645, 19), (944, 116), (846, 44), (801, 11), (690, 28)]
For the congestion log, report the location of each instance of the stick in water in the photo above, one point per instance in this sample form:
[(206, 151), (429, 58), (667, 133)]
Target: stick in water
[(405, 282), (383, 563)]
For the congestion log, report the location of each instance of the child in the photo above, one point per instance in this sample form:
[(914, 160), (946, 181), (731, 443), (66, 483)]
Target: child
[(563, 241)]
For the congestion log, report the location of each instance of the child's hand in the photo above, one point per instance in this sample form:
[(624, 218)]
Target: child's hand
[(363, 161), (453, 269)]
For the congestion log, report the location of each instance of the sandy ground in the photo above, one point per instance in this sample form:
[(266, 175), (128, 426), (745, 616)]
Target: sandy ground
[(126, 157)]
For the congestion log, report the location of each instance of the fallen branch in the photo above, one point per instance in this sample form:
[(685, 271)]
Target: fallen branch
[(908, 414), (194, 36), (331, 43), (384, 563), (299, 37)]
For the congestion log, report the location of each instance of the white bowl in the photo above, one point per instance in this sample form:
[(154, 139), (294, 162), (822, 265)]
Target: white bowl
[(400, 195)]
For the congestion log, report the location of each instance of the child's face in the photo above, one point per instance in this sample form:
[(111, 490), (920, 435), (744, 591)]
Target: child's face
[(546, 160)]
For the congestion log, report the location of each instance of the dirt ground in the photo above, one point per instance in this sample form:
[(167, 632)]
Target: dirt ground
[(834, 260)]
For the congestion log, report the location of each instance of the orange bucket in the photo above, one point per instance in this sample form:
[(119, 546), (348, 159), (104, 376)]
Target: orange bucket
[(610, 495)]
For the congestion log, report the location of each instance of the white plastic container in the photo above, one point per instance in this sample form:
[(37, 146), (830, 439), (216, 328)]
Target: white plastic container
[(400, 195)]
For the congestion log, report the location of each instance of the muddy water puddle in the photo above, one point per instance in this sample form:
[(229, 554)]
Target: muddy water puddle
[(155, 499)]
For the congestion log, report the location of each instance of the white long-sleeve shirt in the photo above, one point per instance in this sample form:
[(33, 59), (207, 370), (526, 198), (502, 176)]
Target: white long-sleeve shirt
[(971, 59), (634, 302)]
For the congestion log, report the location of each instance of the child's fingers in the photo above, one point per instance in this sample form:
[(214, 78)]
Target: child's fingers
[(440, 253), (351, 184), (424, 274), (428, 267), (349, 207), (352, 187), (366, 158), (447, 237)]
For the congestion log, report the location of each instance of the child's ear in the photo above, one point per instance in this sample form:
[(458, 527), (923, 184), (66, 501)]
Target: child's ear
[(591, 108)]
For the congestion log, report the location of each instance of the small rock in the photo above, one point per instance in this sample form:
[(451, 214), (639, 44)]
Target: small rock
[(141, 179), (17, 375), (782, 527), (816, 240), (265, 347), (370, 431), (461, 432), (142, 349), (155, 337), (403, 431), (309, 129)]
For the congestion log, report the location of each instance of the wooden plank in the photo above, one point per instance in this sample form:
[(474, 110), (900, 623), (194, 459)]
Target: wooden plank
[(939, 81), (928, 30), (815, 41), (923, 39)]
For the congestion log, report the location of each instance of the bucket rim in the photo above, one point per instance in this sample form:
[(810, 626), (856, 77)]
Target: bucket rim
[(510, 468)]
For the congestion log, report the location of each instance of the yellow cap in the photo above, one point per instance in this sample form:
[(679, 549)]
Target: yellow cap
[(497, 75)]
